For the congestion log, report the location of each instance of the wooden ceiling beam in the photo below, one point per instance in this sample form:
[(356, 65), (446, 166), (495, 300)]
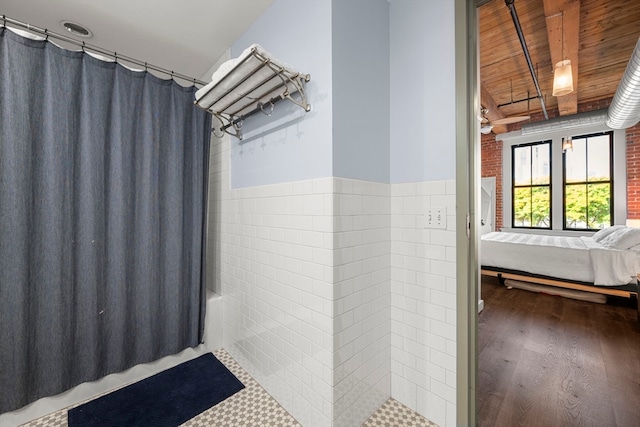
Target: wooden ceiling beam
[(486, 100), (564, 16)]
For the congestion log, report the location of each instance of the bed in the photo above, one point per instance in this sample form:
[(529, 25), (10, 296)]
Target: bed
[(606, 263)]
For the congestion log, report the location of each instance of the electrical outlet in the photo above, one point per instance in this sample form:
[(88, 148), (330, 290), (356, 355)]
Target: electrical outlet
[(435, 218)]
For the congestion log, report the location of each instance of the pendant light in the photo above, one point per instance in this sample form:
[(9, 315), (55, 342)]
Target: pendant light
[(562, 74)]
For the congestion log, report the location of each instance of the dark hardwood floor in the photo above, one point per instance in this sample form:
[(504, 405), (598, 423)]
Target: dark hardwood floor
[(550, 361)]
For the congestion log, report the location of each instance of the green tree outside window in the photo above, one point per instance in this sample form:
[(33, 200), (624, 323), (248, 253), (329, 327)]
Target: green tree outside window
[(587, 183), (532, 185)]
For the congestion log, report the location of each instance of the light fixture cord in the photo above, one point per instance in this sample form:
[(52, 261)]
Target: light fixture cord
[(562, 35)]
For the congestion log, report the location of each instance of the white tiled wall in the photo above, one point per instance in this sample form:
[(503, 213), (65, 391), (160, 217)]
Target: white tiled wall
[(423, 301), (275, 268), (362, 323), (218, 194), (277, 299), (334, 295)]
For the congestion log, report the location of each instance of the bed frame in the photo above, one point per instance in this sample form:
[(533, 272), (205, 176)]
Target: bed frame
[(625, 291)]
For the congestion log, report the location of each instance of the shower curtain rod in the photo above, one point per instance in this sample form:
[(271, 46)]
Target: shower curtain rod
[(84, 46)]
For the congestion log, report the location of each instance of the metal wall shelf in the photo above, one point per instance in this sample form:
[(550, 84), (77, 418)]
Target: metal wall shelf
[(252, 83)]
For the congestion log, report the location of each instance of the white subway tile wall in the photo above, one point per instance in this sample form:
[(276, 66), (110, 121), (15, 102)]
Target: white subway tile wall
[(218, 194), (362, 318), (335, 296), (423, 301), (271, 257)]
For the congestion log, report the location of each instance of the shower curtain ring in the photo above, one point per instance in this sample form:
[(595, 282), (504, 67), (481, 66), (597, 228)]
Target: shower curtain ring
[(218, 133), (82, 47), (262, 104), (46, 34)]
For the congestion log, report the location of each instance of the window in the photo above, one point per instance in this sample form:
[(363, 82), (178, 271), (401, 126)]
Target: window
[(531, 185), (539, 195), (588, 187)]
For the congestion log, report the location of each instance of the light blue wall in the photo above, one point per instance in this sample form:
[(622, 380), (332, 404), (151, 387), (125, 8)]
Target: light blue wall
[(361, 89), (291, 145), (422, 90), (382, 93)]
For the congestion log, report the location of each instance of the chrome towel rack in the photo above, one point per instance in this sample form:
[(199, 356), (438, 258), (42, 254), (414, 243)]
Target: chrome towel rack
[(252, 83)]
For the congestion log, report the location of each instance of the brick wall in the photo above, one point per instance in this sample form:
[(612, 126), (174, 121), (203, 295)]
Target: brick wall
[(633, 172), (491, 151)]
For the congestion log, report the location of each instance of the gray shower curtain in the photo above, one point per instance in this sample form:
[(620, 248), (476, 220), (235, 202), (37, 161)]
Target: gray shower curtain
[(103, 174)]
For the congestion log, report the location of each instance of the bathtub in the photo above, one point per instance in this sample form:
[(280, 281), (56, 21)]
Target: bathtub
[(212, 341), (213, 321)]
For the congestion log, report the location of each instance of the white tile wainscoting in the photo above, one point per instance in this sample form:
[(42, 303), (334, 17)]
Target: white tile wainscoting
[(423, 301), (362, 321), (335, 296), (277, 292)]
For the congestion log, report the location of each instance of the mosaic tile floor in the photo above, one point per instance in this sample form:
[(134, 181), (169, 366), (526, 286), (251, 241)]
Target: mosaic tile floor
[(395, 414), (253, 406)]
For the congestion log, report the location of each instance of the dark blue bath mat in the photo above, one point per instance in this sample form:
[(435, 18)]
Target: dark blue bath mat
[(166, 399)]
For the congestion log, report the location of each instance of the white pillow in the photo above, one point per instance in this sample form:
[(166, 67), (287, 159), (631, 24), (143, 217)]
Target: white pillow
[(613, 237), (600, 235), (623, 238)]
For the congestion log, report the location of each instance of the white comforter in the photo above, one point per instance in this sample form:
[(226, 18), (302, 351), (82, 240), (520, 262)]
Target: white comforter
[(572, 258)]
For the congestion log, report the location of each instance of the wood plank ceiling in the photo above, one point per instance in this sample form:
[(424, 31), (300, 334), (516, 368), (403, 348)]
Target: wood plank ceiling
[(599, 37)]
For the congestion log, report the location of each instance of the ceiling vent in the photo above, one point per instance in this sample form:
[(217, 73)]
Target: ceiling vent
[(566, 122), (624, 110), (77, 29)]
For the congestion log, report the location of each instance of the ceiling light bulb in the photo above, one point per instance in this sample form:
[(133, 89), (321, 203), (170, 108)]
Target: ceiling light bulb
[(562, 78)]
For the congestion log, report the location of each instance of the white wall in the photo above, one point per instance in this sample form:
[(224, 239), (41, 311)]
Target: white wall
[(362, 319), (423, 301), (275, 272), (278, 293), (303, 268), (335, 295)]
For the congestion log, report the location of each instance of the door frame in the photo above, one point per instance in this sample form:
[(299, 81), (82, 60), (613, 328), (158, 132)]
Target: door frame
[(467, 209)]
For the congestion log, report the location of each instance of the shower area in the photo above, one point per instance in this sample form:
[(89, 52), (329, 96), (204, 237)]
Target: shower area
[(328, 279)]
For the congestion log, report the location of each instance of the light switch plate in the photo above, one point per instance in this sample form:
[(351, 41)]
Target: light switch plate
[(435, 218)]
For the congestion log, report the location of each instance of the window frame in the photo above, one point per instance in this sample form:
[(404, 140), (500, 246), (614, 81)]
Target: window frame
[(514, 186), (587, 182), (619, 169)]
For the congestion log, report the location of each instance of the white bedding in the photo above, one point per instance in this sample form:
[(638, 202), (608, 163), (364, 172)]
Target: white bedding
[(572, 258)]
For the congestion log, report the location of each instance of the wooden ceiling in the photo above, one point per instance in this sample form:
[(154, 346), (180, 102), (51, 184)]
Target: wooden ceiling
[(599, 38)]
